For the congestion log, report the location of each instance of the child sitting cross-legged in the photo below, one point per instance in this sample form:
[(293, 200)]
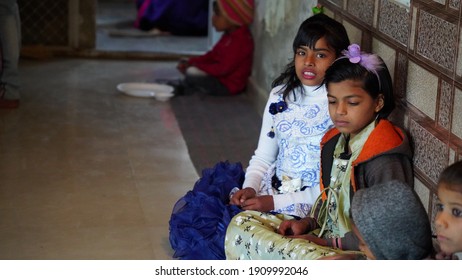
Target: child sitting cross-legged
[(225, 69), (283, 173)]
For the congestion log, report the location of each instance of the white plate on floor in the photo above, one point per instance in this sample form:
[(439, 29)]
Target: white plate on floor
[(147, 90)]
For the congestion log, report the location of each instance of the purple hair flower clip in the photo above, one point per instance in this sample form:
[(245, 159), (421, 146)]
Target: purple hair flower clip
[(367, 60), (353, 53), (371, 62)]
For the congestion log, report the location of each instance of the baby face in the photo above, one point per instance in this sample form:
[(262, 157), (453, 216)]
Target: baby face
[(448, 220)]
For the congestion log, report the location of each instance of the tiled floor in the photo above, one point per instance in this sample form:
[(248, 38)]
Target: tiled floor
[(89, 173), (85, 171)]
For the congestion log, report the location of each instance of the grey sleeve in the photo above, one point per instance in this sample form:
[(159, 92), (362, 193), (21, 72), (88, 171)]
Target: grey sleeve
[(387, 168)]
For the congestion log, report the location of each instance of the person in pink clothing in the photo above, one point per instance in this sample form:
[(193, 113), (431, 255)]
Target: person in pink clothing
[(225, 69)]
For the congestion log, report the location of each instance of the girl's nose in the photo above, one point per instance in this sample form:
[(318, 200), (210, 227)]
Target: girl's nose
[(309, 60)]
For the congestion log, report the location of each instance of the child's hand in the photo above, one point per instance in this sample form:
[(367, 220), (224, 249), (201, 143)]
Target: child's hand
[(296, 227), (263, 203), (312, 238), (182, 65), (242, 195)]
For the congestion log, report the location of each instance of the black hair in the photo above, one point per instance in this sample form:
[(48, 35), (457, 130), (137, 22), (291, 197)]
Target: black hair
[(215, 8), (452, 176), (309, 32), (373, 83)]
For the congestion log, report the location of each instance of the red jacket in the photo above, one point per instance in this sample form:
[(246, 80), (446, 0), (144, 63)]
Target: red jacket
[(230, 60)]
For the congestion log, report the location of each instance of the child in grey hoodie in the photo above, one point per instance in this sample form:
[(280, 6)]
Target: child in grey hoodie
[(391, 223)]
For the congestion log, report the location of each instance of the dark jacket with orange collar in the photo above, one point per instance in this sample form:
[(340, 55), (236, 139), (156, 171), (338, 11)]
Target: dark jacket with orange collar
[(385, 156)]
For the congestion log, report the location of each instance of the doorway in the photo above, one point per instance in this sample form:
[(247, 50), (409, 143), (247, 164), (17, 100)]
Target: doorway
[(115, 32)]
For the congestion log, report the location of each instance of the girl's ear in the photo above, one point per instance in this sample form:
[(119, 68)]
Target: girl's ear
[(380, 103)]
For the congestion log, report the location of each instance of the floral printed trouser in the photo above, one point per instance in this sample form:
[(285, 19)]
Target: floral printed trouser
[(253, 235)]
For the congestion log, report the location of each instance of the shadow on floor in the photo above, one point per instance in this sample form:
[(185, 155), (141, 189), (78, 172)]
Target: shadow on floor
[(218, 128)]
